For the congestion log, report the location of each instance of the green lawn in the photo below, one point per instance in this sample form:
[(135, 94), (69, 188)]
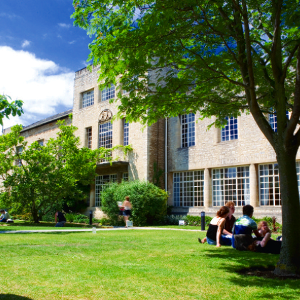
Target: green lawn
[(132, 264)]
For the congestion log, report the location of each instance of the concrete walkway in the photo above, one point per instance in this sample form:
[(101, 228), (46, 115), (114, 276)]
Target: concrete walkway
[(90, 230)]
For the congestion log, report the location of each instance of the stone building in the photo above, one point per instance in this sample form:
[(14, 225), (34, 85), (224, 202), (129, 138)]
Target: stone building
[(92, 115), (203, 168)]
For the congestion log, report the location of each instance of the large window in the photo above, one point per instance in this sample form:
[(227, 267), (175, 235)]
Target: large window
[(231, 184), (108, 93), (230, 131), (105, 135), (100, 182), (269, 184), (88, 98), (188, 130), (188, 188), (125, 132)]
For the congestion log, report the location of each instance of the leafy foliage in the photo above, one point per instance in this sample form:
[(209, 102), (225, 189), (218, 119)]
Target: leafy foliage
[(9, 108), (149, 203), (218, 58)]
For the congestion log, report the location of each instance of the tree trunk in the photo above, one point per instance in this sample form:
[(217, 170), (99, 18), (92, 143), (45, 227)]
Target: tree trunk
[(289, 262)]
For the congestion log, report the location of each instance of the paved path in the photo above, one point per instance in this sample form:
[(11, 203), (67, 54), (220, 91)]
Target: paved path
[(90, 230)]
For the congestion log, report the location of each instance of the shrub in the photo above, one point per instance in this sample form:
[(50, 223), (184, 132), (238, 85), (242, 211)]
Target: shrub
[(173, 219), (78, 218), (149, 203)]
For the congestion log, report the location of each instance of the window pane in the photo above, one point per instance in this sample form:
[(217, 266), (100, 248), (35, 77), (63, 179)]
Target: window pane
[(88, 98), (188, 130), (188, 188), (231, 184)]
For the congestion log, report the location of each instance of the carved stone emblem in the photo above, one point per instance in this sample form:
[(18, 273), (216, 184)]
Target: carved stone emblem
[(105, 115)]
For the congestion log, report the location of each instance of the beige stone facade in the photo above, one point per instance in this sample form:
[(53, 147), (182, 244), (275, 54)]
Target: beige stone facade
[(147, 142), (199, 177)]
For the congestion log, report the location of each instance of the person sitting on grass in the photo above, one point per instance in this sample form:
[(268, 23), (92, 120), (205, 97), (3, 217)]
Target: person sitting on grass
[(243, 228), (60, 219), (265, 244), (230, 219), (4, 216), (215, 233)]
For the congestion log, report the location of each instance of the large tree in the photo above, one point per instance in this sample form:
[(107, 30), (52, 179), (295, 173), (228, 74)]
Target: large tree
[(217, 57), (37, 178), (9, 108)]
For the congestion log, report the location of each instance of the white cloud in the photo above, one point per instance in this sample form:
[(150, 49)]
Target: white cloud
[(43, 86), (64, 25), (72, 42), (26, 44)]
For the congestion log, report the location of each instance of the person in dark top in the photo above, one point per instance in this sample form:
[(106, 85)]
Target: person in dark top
[(214, 235), (60, 219), (230, 219)]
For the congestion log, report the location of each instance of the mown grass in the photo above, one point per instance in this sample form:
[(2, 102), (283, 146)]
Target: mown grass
[(132, 264)]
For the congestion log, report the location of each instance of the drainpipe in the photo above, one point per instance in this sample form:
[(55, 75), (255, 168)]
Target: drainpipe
[(166, 154)]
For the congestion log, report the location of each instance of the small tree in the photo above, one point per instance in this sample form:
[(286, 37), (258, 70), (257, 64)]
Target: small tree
[(149, 202), (38, 178)]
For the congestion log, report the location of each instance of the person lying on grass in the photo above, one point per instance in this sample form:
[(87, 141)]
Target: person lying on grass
[(265, 244), (214, 235)]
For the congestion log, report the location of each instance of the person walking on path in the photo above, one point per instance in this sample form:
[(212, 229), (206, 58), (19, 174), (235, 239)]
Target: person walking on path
[(127, 209)]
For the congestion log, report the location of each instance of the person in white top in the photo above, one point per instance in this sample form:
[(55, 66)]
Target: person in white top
[(127, 209)]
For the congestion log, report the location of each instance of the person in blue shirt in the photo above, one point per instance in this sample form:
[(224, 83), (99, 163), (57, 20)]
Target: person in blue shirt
[(4, 216), (244, 227)]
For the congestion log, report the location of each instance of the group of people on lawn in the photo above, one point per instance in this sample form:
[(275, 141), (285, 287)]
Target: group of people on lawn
[(225, 230)]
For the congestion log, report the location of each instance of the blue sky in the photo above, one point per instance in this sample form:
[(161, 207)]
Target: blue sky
[(40, 50)]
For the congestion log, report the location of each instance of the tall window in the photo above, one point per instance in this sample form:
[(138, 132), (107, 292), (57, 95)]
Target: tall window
[(19, 151), (100, 183), (231, 184), (89, 137), (105, 135), (188, 130), (269, 189), (188, 188), (108, 93), (88, 98), (125, 132), (230, 131)]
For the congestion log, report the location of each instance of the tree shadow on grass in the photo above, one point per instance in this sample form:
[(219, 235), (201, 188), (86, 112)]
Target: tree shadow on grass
[(13, 297), (255, 270)]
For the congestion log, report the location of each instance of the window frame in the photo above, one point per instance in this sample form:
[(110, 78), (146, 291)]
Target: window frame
[(89, 137), (188, 188), (100, 182), (108, 93), (125, 132), (230, 131), (188, 135), (225, 185), (89, 101)]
